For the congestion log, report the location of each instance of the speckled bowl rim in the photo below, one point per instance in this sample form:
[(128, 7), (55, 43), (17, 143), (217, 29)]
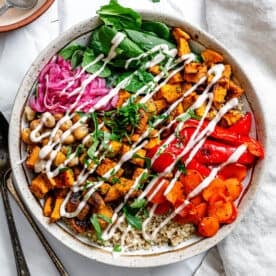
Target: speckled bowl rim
[(155, 259)]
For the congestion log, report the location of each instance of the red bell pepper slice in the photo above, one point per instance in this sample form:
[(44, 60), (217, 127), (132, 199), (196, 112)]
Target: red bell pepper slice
[(202, 168), (163, 208), (243, 125), (234, 170), (227, 136), (213, 152)]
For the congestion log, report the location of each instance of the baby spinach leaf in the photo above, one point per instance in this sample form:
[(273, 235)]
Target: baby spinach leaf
[(101, 39), (68, 51), (147, 41), (138, 80), (76, 58), (88, 57), (119, 17), (158, 28)]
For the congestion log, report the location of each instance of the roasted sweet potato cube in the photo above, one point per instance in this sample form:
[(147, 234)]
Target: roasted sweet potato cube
[(155, 70), (189, 100), (25, 136), (192, 68), (178, 110), (171, 92), (105, 166), (119, 189), (176, 78), (227, 72), (235, 90), (160, 105), (103, 189), (96, 200), (56, 211), (123, 96), (59, 159), (139, 161), (105, 211), (152, 143), (40, 186), (48, 206), (84, 212), (33, 157), (65, 179), (142, 126), (78, 226), (210, 56), (195, 77), (137, 172), (178, 33), (219, 93), (125, 148), (114, 148), (183, 47), (232, 116)]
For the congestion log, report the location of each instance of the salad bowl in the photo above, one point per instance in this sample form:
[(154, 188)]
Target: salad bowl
[(140, 258)]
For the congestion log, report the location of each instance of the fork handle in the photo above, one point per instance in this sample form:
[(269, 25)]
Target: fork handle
[(21, 265)]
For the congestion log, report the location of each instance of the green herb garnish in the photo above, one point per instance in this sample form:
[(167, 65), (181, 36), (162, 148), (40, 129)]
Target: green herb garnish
[(138, 203), (105, 218), (146, 159), (181, 167), (95, 222), (132, 220), (117, 248)]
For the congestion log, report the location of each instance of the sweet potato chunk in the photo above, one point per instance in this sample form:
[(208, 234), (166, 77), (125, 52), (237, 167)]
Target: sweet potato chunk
[(178, 33), (139, 161), (123, 96), (119, 189), (56, 211), (65, 179), (176, 78), (33, 157), (105, 166), (40, 186), (171, 92), (25, 136), (155, 70), (96, 200), (211, 57), (219, 94), (105, 211), (201, 71), (59, 159), (160, 105), (84, 212), (183, 47), (232, 116), (235, 90), (48, 206), (103, 189)]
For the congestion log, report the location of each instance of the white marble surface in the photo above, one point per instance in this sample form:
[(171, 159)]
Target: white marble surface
[(17, 50)]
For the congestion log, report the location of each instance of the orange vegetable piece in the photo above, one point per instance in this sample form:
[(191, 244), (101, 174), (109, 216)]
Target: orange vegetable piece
[(210, 56), (197, 213), (233, 187), (176, 194), (191, 180), (234, 214), (216, 186), (234, 170), (163, 208), (197, 199), (223, 211), (159, 196), (208, 226)]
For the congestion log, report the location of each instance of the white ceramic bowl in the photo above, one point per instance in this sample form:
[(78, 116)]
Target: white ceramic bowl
[(155, 258)]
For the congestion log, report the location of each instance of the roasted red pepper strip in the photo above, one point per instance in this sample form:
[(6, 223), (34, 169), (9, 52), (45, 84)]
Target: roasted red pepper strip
[(243, 125), (226, 135), (213, 152), (202, 168)]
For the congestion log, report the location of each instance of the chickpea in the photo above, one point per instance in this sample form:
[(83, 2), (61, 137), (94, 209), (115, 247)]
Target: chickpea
[(25, 136), (70, 139), (34, 124), (39, 166), (50, 121), (59, 159), (58, 116), (87, 141), (29, 113), (66, 125), (80, 132), (58, 135), (76, 118), (73, 162)]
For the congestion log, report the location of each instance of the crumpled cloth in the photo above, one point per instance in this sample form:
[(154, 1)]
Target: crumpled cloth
[(248, 29)]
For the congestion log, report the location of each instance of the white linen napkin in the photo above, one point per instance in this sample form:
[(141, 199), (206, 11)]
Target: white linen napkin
[(248, 29)]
